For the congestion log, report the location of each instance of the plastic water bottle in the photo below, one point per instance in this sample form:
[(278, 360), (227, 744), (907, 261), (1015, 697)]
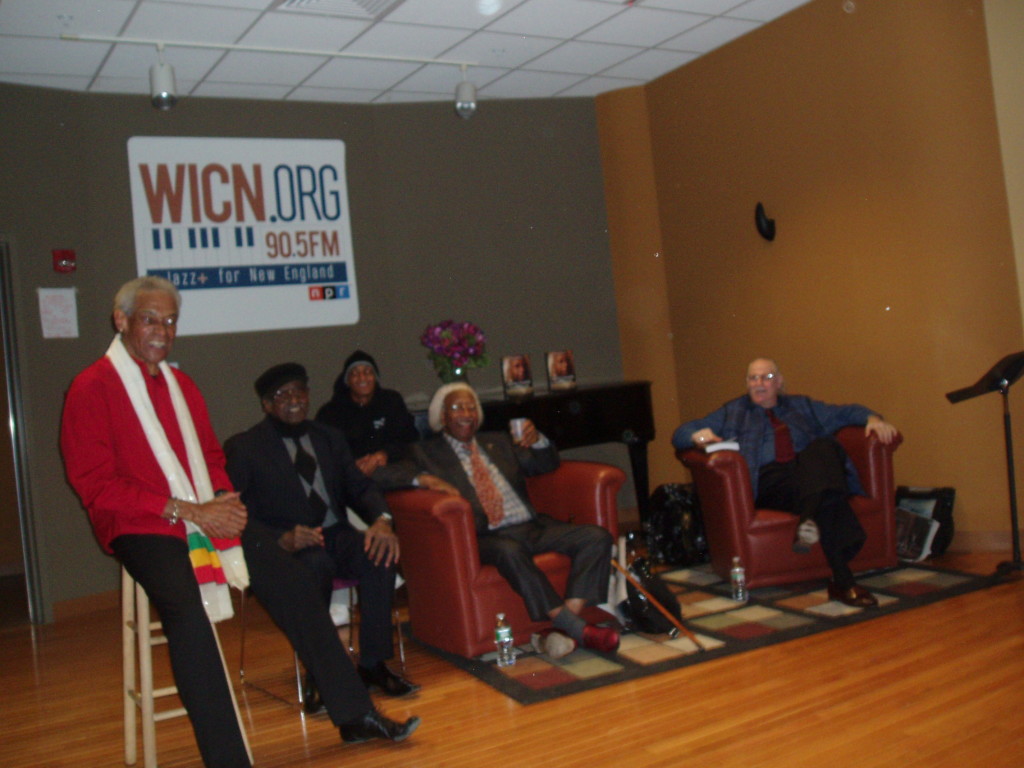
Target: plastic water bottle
[(503, 642), (738, 580)]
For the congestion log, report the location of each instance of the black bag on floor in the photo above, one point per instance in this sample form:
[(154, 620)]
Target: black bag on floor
[(641, 615), (675, 528), (934, 503)]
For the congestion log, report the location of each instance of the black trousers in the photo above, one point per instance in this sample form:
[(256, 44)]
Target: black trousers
[(290, 595), (813, 486), (511, 551), (343, 557), (160, 564)]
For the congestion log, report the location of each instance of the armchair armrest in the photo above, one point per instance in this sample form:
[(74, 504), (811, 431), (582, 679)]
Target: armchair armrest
[(723, 478), (438, 522), (873, 460), (579, 492)]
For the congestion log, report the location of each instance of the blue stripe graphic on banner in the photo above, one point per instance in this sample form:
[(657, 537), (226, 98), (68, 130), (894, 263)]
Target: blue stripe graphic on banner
[(330, 278)]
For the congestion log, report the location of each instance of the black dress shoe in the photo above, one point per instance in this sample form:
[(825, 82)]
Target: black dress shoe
[(855, 596), (311, 701), (387, 681), (373, 725)]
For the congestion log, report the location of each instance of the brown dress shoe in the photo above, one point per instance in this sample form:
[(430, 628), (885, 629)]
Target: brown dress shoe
[(855, 596)]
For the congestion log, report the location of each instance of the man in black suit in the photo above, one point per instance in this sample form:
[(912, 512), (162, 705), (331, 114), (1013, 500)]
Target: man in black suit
[(297, 478), (489, 471)]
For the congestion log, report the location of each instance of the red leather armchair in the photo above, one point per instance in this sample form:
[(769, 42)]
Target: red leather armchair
[(453, 599), (763, 538)]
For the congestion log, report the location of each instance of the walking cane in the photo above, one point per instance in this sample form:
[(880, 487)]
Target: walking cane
[(654, 601)]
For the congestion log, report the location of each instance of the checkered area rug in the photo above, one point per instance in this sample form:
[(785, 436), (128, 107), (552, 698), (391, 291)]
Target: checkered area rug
[(722, 626)]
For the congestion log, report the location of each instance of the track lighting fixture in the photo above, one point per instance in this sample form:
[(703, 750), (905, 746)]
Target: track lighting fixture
[(465, 97), (162, 87)]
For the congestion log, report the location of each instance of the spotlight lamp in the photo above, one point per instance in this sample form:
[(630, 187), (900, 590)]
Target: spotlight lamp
[(465, 97), (162, 87)]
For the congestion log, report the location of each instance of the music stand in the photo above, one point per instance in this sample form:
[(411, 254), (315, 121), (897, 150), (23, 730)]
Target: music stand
[(999, 378)]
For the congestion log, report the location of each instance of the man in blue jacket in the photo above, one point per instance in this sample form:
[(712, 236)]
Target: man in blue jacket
[(796, 465)]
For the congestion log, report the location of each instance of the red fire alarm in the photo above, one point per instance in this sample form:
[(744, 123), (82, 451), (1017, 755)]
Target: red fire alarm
[(63, 260)]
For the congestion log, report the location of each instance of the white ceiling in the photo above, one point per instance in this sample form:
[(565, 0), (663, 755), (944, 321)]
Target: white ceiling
[(518, 48)]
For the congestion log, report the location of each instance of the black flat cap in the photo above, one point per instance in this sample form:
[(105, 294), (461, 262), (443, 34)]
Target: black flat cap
[(273, 378)]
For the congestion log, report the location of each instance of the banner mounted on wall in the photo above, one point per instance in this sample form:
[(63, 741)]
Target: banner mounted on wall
[(255, 233)]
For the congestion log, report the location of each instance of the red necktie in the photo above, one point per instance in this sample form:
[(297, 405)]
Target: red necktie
[(783, 440), (486, 490)]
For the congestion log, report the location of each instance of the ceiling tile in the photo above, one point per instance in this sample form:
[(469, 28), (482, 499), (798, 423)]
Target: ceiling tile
[(52, 18), (198, 24), (534, 85), (466, 14), (639, 26), (649, 65), (316, 33), (765, 10), (497, 50), (582, 58), (710, 35), (407, 40), (32, 55), (554, 18), (361, 73), (593, 86), (208, 89), (270, 68), (709, 7)]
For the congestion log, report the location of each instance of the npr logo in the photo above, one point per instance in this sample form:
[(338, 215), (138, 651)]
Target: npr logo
[(327, 292)]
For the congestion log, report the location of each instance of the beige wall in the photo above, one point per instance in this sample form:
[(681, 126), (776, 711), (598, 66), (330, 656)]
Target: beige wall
[(641, 290), (1004, 21), (871, 138)]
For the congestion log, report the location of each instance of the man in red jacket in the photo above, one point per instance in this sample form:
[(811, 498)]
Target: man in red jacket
[(142, 455)]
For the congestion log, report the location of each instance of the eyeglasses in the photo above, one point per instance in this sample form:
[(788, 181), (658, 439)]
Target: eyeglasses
[(466, 407), (753, 378), (300, 392), (153, 320)]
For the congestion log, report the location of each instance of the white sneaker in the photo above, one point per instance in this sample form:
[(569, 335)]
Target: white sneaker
[(807, 535), (552, 643)]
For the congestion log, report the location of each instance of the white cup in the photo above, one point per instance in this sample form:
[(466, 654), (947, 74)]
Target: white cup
[(516, 427)]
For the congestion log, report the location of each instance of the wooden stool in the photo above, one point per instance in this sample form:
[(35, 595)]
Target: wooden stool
[(138, 636)]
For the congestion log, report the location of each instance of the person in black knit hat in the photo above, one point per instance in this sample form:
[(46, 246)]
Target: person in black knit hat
[(374, 420)]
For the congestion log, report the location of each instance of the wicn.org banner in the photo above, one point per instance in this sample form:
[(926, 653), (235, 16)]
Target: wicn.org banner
[(255, 233)]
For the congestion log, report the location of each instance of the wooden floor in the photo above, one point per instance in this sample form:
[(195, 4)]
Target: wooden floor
[(937, 686)]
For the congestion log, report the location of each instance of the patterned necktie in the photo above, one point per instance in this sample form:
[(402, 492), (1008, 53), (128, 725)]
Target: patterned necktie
[(305, 465), (783, 440), (486, 490)]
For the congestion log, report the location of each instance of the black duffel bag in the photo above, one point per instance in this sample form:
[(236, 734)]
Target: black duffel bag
[(675, 528)]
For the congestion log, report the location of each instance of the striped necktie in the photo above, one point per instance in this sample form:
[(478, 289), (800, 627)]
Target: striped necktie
[(486, 490)]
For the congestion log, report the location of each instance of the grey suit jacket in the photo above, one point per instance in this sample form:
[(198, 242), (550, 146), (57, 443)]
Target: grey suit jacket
[(436, 457)]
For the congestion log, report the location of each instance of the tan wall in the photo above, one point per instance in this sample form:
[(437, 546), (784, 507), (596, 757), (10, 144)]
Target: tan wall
[(871, 138), (641, 290), (1004, 22)]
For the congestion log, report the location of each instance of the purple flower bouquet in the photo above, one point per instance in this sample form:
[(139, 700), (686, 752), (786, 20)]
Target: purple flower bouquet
[(454, 347)]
